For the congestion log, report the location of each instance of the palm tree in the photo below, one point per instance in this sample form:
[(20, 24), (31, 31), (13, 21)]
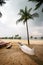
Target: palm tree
[(39, 3), (25, 16)]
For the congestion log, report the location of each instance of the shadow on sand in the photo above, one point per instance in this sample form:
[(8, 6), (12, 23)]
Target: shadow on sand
[(36, 59)]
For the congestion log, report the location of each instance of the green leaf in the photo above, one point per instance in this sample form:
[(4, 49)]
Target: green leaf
[(2, 2), (0, 14), (42, 9), (19, 20), (35, 15), (37, 6), (21, 11), (29, 9)]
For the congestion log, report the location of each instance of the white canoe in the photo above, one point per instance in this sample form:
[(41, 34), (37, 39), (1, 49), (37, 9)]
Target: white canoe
[(27, 49)]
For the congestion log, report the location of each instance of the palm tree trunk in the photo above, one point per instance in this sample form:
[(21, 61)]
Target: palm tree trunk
[(27, 32)]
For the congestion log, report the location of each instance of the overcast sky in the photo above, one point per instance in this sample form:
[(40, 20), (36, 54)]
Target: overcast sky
[(8, 26)]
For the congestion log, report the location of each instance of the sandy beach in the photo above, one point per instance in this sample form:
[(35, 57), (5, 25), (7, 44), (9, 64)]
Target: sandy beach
[(14, 55)]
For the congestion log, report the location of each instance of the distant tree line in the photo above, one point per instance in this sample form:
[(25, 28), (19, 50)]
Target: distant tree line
[(31, 37), (19, 37), (41, 37), (12, 37)]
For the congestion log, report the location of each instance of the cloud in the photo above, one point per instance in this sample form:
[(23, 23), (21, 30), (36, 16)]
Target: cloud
[(10, 15), (36, 31)]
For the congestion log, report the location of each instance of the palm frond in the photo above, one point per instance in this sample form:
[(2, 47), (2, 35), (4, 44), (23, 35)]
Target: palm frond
[(25, 9), (42, 9), (29, 10), (2, 2), (33, 0), (36, 0), (30, 17), (19, 20), (21, 11), (0, 14), (38, 5), (35, 15)]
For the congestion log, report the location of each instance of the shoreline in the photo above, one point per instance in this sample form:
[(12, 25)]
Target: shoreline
[(23, 41)]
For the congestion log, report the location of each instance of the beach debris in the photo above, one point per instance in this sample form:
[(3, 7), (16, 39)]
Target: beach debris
[(8, 46)]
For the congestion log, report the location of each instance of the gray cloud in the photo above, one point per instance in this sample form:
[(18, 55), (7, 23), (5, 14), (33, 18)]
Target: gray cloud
[(10, 15)]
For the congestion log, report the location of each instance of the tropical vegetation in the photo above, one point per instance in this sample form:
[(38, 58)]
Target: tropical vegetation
[(25, 16), (0, 14), (1, 3), (39, 3)]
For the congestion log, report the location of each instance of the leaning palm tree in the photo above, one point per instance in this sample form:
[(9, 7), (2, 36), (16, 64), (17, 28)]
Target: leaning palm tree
[(25, 15), (39, 3)]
